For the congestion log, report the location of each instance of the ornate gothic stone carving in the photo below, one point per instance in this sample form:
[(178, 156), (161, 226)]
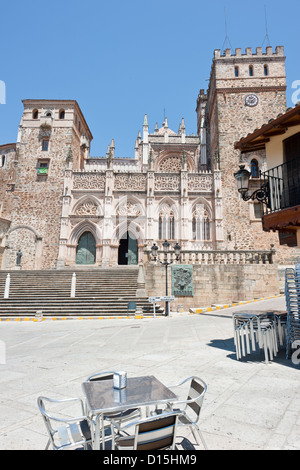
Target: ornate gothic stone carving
[(129, 209), (89, 181), (200, 183), (171, 164), (87, 208), (130, 182), (167, 183)]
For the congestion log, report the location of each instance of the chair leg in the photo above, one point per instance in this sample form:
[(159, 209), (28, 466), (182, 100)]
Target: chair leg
[(48, 444), (198, 434)]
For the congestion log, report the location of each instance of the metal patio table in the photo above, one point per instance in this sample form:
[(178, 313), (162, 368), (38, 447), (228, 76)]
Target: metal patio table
[(102, 398)]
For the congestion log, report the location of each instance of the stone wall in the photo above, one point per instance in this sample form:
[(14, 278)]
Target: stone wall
[(217, 284)]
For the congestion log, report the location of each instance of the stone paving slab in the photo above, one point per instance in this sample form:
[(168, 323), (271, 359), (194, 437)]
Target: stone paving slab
[(248, 405)]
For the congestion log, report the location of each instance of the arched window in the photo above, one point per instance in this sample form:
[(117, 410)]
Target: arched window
[(35, 114), (2, 160), (254, 168), (62, 114), (251, 71), (201, 225), (236, 71), (166, 223), (266, 70)]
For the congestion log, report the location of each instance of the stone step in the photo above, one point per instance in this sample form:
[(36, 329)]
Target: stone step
[(103, 292)]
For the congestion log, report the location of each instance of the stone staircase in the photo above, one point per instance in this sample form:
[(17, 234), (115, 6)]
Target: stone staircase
[(102, 292)]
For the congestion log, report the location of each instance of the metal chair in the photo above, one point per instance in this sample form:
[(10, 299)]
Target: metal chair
[(149, 434), (66, 433), (190, 407), (292, 295), (250, 331), (119, 416)]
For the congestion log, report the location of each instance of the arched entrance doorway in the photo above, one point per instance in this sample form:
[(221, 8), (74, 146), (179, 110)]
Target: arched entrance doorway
[(128, 250), (86, 249)]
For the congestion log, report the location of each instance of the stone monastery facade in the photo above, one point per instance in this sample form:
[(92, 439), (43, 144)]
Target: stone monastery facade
[(63, 207)]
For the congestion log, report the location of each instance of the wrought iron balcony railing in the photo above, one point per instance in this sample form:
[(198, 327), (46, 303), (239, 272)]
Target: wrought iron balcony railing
[(283, 183)]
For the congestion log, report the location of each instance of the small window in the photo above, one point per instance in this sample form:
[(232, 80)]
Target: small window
[(48, 114), (236, 71), (266, 70), (254, 168), (2, 160), (62, 114), (45, 145), (35, 114), (251, 71)]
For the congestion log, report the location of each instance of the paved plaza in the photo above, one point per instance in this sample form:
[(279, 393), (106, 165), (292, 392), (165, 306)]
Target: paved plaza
[(248, 405)]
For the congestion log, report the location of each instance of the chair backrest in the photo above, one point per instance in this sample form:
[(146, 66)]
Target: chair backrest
[(196, 395), (65, 432), (152, 434)]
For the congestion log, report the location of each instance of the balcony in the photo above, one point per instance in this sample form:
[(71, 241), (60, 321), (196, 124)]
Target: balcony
[(42, 171), (282, 213)]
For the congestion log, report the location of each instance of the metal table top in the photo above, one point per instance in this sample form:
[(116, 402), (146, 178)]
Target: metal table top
[(140, 391)]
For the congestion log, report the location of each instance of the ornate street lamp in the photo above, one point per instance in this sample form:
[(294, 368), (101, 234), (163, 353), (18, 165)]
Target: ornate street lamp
[(242, 178), (154, 250), (165, 262), (177, 249)]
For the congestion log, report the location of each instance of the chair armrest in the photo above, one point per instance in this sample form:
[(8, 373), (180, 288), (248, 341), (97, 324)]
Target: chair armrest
[(64, 420), (180, 383)]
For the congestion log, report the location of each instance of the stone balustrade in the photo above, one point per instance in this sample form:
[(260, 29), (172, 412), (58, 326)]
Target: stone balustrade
[(216, 257)]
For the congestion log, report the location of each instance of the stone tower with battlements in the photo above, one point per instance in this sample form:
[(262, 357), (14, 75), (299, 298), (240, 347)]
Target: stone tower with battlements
[(53, 136), (245, 91)]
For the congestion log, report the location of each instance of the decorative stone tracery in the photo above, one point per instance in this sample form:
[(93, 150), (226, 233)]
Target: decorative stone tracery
[(89, 181), (87, 208), (130, 182), (129, 209), (167, 183), (200, 183), (170, 164)]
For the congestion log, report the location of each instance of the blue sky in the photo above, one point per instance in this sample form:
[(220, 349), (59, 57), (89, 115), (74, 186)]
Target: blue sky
[(121, 59)]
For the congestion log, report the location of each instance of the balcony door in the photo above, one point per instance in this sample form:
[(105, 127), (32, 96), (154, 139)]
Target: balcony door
[(291, 179)]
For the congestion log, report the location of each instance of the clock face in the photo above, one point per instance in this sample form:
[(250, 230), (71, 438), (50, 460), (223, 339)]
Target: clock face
[(251, 100)]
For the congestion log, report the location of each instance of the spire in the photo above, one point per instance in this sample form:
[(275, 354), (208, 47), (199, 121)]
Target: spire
[(112, 148), (182, 127), (145, 140), (156, 128)]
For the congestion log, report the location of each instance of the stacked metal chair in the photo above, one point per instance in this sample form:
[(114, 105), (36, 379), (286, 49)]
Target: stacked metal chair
[(252, 332), (292, 295)]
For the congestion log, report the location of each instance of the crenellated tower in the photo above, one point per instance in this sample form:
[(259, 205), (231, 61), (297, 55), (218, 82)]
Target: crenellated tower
[(245, 91)]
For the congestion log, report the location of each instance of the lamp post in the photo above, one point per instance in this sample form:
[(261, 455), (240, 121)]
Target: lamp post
[(242, 178), (165, 262)]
